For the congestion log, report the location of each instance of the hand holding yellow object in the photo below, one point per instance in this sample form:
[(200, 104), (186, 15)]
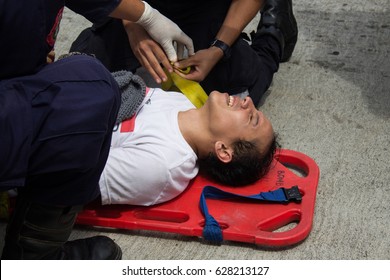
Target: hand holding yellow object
[(192, 90)]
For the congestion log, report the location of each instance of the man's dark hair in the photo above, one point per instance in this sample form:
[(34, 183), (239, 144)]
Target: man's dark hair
[(246, 167)]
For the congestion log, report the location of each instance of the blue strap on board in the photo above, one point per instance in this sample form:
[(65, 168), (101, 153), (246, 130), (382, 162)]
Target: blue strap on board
[(212, 231)]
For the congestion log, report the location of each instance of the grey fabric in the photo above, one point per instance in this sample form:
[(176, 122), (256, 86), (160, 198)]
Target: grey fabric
[(132, 88)]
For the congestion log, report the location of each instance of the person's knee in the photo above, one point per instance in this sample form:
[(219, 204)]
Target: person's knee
[(112, 92), (90, 78), (74, 116), (81, 67)]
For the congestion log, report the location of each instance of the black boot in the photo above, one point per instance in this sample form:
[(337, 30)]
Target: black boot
[(277, 19), (93, 248), (38, 231)]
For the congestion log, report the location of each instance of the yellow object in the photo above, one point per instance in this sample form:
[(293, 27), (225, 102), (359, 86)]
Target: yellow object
[(192, 90)]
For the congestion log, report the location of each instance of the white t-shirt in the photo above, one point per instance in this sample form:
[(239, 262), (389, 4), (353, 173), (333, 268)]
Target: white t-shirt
[(150, 162)]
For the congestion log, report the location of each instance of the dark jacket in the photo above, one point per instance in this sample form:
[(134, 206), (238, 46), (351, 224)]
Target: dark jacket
[(28, 30)]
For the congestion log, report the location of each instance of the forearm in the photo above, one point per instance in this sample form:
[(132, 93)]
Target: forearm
[(160, 28), (240, 13), (130, 10)]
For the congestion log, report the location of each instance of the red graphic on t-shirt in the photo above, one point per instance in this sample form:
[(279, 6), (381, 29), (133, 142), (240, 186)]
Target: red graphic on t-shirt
[(128, 125)]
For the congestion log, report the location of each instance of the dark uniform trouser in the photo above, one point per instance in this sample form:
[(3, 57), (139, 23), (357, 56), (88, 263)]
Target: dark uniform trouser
[(56, 129), (250, 67)]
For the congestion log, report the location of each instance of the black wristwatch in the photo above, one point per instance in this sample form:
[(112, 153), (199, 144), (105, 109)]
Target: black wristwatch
[(223, 46)]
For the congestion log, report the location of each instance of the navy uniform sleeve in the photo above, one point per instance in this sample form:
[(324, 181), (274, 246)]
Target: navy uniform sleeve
[(93, 10)]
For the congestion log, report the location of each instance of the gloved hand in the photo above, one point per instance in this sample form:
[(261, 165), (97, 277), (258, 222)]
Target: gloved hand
[(165, 32)]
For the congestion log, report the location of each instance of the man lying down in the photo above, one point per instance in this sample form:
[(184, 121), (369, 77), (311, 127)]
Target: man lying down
[(162, 140)]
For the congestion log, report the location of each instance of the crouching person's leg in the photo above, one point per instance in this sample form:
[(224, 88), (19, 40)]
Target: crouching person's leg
[(74, 106), (38, 231)]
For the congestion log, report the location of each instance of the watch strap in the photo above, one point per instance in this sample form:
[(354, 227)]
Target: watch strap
[(223, 46)]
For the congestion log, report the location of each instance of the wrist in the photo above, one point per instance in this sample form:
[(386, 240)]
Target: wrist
[(129, 25), (226, 50), (146, 15), (216, 53)]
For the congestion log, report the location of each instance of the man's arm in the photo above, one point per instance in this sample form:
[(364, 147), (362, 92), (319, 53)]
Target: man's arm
[(151, 56), (240, 13), (160, 28), (148, 52), (129, 9)]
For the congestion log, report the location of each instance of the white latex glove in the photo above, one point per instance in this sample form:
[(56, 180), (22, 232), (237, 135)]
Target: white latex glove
[(165, 32)]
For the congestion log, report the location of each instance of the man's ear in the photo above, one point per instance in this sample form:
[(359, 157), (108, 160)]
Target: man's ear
[(223, 152)]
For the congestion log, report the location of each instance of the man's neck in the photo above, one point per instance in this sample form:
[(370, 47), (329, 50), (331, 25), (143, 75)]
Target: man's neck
[(192, 126)]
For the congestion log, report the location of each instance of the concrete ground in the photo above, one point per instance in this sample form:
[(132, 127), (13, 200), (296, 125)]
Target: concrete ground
[(330, 101)]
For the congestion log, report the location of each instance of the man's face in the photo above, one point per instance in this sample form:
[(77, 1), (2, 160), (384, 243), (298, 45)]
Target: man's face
[(232, 119)]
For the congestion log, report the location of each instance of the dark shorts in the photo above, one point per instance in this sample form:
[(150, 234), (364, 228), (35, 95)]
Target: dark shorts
[(56, 130)]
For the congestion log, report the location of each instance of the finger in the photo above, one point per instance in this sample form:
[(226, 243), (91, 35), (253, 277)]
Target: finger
[(182, 64), (187, 41), (152, 59), (153, 73), (193, 75), (180, 51), (184, 70), (163, 62), (158, 69), (151, 64), (50, 57), (181, 74), (188, 76), (162, 59), (167, 65), (170, 51)]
